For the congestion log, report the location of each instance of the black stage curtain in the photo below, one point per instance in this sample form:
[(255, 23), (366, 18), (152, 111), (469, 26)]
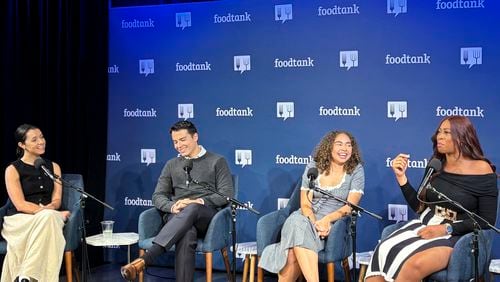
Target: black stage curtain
[(54, 75)]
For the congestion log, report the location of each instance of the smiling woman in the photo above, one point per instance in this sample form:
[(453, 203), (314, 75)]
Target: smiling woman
[(33, 225), (423, 246), (337, 157)]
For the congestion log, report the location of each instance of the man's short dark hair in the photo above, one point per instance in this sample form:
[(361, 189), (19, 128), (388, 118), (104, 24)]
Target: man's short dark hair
[(184, 124)]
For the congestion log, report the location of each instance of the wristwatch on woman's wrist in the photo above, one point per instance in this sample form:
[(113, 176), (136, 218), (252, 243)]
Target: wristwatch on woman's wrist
[(449, 228)]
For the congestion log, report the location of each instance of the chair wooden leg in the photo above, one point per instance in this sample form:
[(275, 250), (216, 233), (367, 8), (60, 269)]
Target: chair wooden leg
[(253, 258), (330, 270), (362, 272), (347, 270), (141, 274), (226, 263), (68, 260), (208, 266), (245, 268), (76, 270), (260, 272)]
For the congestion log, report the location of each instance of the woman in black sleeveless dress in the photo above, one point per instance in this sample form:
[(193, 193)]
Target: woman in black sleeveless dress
[(33, 225)]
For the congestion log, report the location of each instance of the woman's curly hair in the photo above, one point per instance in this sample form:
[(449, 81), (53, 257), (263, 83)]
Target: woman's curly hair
[(323, 153)]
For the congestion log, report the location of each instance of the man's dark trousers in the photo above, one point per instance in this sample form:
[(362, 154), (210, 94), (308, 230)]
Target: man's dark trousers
[(182, 230)]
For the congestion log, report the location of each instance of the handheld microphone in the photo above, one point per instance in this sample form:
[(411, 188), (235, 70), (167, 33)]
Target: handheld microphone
[(312, 174), (434, 165), (188, 166), (40, 164)]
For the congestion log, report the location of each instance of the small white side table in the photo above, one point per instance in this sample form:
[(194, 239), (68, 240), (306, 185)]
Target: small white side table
[(118, 239), (249, 251), (494, 268), (364, 260)]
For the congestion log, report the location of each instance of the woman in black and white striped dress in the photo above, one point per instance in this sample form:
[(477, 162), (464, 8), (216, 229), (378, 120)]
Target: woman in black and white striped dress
[(424, 245)]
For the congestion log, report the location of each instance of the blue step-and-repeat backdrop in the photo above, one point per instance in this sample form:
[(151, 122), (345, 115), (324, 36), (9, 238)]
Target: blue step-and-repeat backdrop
[(265, 80)]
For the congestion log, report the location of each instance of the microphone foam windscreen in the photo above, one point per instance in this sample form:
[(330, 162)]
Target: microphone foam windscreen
[(435, 164), (39, 162), (312, 172)]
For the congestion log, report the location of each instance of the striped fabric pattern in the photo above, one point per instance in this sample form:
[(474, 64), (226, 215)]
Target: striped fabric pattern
[(391, 253)]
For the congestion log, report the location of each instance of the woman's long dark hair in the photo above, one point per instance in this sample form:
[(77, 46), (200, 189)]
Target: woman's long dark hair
[(465, 138), (20, 136)]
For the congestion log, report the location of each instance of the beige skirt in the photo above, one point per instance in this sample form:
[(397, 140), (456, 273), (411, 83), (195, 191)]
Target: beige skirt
[(35, 246)]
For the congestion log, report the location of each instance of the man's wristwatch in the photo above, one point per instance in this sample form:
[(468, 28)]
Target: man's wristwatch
[(449, 228)]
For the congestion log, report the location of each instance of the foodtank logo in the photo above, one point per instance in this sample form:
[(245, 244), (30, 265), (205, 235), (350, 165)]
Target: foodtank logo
[(232, 18), (470, 56), (185, 111), (243, 157), (113, 157), (285, 110), (293, 159), (148, 156), (234, 112), (348, 59), (459, 111), (397, 110), (242, 63), (183, 20), (114, 69), (338, 10), (283, 13), (146, 66), (138, 202), (192, 66), (459, 4), (406, 59), (282, 202), (139, 113), (339, 111), (397, 7), (135, 23), (294, 62), (411, 163), (397, 212)]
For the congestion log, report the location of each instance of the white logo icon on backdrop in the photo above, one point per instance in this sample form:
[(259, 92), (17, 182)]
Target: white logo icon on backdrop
[(242, 63), (282, 202), (397, 7), (148, 156), (348, 59), (243, 157), (283, 12), (185, 111), (397, 109), (183, 20), (397, 212), (471, 56), (146, 66), (285, 110)]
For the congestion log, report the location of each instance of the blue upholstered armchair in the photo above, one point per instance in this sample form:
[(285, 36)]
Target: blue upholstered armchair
[(71, 230), (461, 264), (218, 235), (338, 244)]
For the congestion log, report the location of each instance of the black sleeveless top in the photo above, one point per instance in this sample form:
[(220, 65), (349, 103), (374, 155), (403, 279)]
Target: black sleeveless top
[(37, 187)]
